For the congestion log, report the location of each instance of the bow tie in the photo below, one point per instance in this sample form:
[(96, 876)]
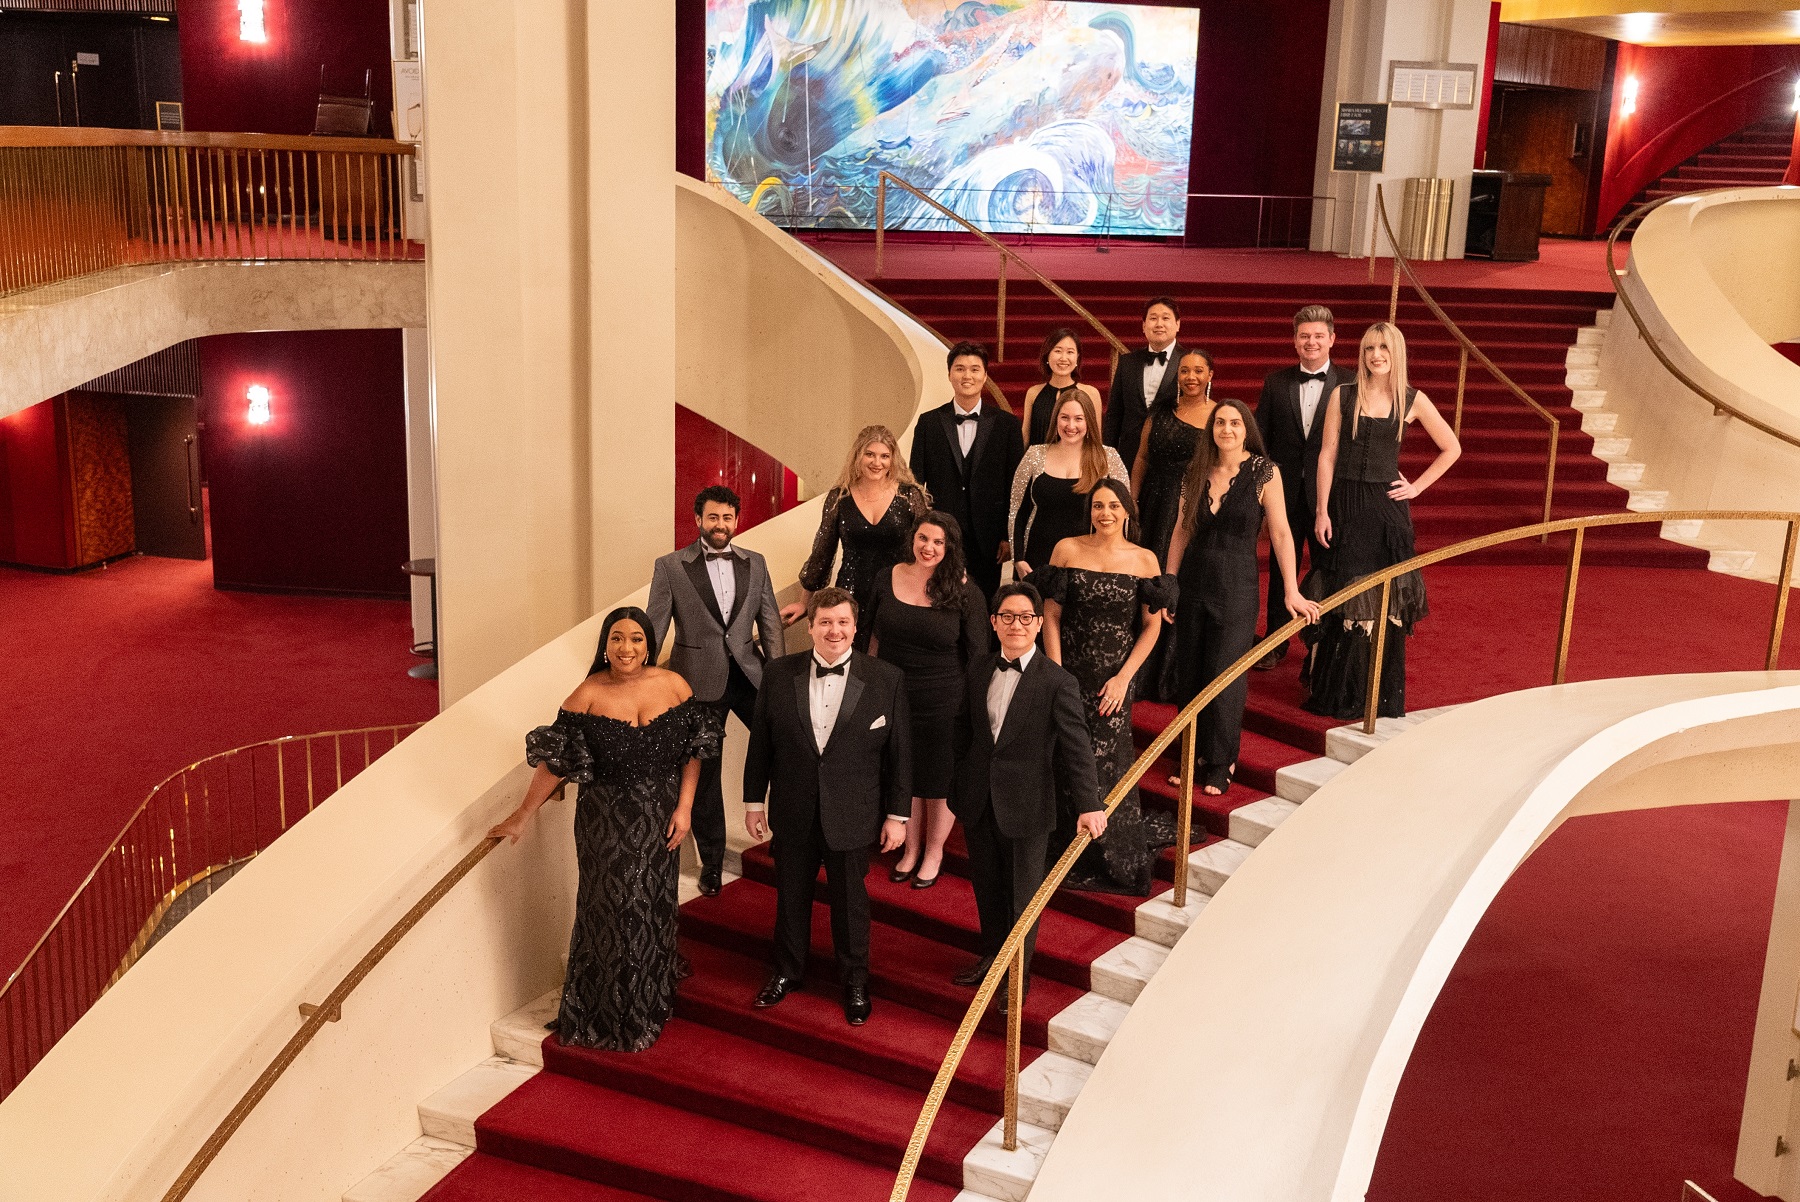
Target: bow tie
[(960, 418), (1011, 665), (820, 670), (1312, 375), (1159, 356), (712, 555)]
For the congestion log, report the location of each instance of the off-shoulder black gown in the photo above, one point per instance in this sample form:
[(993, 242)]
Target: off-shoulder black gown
[(1100, 622), (934, 647), (869, 548), (622, 954)]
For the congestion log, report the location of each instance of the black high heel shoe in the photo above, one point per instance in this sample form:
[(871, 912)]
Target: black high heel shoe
[(899, 877), (922, 882)]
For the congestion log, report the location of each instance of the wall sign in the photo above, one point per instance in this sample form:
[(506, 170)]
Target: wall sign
[(1421, 85), (409, 100), (1360, 137), (168, 116)]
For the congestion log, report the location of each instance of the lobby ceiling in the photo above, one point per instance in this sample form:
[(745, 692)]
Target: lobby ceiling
[(1693, 23)]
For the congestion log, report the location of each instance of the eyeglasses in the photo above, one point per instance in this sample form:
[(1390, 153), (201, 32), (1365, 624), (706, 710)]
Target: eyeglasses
[(1012, 619)]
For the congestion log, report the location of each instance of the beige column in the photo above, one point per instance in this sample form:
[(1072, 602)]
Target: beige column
[(551, 302), (1769, 1132)]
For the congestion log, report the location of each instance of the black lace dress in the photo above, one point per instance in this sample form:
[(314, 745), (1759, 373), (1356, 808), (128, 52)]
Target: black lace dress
[(869, 549), (1168, 455), (622, 954), (1369, 531), (1100, 622), (933, 647), (1220, 603)]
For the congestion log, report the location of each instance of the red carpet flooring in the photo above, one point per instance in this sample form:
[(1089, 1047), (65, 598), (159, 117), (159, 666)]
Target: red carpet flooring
[(115, 678)]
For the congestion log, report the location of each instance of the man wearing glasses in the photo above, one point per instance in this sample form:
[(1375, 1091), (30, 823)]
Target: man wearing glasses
[(1021, 729)]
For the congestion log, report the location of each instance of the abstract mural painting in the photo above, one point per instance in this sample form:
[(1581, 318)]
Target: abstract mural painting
[(1052, 116)]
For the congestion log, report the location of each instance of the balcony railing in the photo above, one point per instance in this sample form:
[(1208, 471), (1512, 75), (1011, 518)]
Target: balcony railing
[(77, 201)]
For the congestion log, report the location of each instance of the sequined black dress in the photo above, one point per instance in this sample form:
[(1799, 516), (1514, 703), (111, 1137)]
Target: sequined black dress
[(1100, 622), (622, 954), (1168, 455), (869, 549)]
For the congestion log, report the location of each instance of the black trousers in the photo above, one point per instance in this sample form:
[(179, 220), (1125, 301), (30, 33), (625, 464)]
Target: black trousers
[(709, 794), (1215, 631), (1007, 873), (1300, 524), (796, 874)]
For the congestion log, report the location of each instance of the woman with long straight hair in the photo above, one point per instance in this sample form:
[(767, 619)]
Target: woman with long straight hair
[(1231, 490), (1364, 524), (869, 511), (1059, 359), (1051, 486), (929, 620)]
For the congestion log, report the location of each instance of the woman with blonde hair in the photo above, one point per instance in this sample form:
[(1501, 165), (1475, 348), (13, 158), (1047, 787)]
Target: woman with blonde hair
[(1051, 486), (1364, 524), (869, 511)]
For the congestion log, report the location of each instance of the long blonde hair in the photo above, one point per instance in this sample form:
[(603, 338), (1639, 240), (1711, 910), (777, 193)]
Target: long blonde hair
[(1093, 450), (1386, 332), (899, 472)]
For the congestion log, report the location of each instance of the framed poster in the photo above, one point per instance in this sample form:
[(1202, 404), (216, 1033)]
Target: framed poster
[(1359, 137), (1426, 85), (168, 116), (409, 100)]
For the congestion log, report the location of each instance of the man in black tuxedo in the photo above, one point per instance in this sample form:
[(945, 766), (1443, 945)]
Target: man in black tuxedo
[(722, 601), (1143, 378), (1020, 731), (1291, 416), (829, 749), (965, 453)]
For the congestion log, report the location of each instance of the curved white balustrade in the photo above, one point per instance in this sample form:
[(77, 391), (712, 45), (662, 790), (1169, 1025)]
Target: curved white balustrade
[(125, 1098), (1260, 1063)]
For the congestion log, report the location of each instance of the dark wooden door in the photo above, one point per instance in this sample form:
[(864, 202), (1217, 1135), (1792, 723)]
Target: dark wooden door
[(165, 477), (113, 69), (1548, 131)]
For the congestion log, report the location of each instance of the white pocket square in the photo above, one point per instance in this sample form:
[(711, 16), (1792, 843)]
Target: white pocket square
[(878, 723)]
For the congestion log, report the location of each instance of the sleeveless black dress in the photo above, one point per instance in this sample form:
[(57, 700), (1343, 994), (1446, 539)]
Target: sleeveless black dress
[(934, 648), (869, 549), (622, 953), (1369, 531), (1170, 451), (1220, 603), (1099, 628)]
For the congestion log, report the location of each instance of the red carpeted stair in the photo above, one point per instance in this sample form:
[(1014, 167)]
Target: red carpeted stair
[(1755, 156)]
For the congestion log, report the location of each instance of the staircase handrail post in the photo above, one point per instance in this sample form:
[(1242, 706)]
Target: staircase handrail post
[(1566, 629)]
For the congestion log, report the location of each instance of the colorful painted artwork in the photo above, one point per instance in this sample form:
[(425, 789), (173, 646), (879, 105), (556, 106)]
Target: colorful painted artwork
[(1049, 116)]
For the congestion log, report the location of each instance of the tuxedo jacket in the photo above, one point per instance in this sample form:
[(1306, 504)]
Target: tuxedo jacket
[(865, 773), (680, 587), (976, 490), (1126, 404), (1286, 441), (1044, 739)]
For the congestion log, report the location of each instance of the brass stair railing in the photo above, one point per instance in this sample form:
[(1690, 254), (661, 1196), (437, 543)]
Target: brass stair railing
[(1007, 254), (1466, 347), (195, 826), (1613, 273), (1011, 954)]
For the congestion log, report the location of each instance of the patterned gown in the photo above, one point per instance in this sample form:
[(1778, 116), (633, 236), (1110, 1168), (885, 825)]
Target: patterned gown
[(869, 549), (622, 955)]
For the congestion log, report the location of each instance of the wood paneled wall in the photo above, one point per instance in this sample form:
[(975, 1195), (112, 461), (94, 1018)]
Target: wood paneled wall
[(1550, 58)]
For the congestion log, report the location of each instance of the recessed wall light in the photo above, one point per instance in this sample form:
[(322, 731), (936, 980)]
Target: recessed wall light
[(1628, 104), (258, 396), (251, 27)]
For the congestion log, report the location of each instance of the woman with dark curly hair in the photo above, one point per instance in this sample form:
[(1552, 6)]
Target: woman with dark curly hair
[(929, 620)]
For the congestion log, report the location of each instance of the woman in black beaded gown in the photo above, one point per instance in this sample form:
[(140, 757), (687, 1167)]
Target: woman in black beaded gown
[(929, 620), (1231, 490), (869, 512), (1103, 596), (1051, 485), (1171, 437), (1364, 524), (631, 737)]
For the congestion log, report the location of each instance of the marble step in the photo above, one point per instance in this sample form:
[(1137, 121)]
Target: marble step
[(410, 1173), (1603, 318), (1083, 1028), (1594, 335), (1621, 471), (1349, 744), (1598, 421), (1160, 922), (1582, 377), (1122, 972), (1588, 398), (1297, 782), (1582, 354), (992, 1171), (450, 1113), (1211, 866), (520, 1035), (1253, 823), (1647, 500), (1048, 1086)]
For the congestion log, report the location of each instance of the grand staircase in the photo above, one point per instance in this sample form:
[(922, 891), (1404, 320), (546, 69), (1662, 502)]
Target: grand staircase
[(1755, 156)]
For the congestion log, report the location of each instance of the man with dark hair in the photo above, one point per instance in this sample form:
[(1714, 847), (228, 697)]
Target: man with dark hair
[(965, 453), (829, 750), (1020, 731), (1143, 378), (1291, 416), (723, 602)]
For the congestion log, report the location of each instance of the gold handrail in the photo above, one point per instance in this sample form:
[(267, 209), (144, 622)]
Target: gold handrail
[(1613, 273), (993, 389), (1006, 253), (1011, 954), (1467, 345)]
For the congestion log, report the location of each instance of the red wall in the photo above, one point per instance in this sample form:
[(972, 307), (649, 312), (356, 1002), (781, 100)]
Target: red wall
[(1688, 98), (705, 454), (273, 87), (37, 525), (316, 499)]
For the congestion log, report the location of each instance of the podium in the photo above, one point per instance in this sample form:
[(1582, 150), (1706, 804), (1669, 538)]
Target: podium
[(1506, 211)]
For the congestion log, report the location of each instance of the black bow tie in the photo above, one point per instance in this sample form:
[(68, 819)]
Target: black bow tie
[(711, 555), (1312, 375), (1159, 356), (968, 417), (820, 670), (1011, 665)]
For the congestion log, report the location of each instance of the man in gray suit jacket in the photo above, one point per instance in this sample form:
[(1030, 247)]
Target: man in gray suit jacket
[(722, 601)]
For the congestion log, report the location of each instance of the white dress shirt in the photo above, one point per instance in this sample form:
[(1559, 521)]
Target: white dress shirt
[(723, 574), (966, 431), (1001, 689), (825, 694), (1311, 393), (1154, 372)]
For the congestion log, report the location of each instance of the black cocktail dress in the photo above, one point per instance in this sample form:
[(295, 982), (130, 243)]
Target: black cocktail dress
[(1369, 531), (934, 648), (622, 953), (1169, 454), (868, 549)]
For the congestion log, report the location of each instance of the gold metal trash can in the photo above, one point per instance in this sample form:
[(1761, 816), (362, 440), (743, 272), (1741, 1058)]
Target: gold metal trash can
[(1425, 218)]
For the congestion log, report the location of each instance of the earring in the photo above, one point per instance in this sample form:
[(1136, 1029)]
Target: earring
[(1209, 390)]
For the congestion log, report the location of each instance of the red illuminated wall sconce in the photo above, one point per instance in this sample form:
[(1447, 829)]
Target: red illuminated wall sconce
[(251, 27), (1628, 105), (259, 414)]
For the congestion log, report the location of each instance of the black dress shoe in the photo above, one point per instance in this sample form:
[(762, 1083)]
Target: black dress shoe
[(709, 882), (1272, 660), (974, 974), (896, 876), (1001, 995), (856, 1003), (924, 882), (773, 990)]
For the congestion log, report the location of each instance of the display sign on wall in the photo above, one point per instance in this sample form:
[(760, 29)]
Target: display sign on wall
[(409, 101), (1359, 137), (168, 116), (1432, 85)]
